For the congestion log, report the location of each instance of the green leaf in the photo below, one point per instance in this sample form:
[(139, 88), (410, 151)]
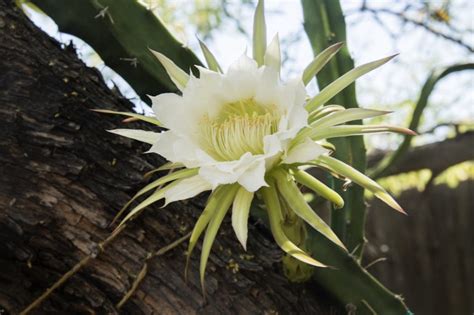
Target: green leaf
[(319, 62), (210, 58), (178, 76), (259, 33), (272, 204), (357, 177), (149, 119), (335, 87), (213, 227), (296, 201), (240, 214), (318, 187)]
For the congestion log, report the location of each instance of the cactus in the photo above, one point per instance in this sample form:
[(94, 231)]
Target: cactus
[(350, 283), (122, 32)]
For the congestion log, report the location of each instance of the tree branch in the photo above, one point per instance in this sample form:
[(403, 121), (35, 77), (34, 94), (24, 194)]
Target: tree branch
[(436, 156)]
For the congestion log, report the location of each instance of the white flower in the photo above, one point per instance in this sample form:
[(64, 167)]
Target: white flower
[(234, 126), (244, 133)]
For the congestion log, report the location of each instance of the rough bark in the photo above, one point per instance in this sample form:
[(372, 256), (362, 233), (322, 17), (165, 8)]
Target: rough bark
[(62, 179), (436, 156), (430, 256)]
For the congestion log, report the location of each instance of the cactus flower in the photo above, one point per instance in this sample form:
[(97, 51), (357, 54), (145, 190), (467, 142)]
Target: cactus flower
[(245, 133)]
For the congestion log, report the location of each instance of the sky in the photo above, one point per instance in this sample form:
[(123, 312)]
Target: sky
[(387, 88)]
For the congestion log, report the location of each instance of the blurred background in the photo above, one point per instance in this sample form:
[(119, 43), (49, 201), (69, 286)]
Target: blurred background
[(428, 256)]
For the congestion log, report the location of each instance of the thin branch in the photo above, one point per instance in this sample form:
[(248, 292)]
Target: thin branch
[(375, 262), (421, 24), (141, 275), (72, 271)]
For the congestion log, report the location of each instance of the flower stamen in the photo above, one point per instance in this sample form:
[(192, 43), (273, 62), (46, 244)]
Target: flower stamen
[(239, 128)]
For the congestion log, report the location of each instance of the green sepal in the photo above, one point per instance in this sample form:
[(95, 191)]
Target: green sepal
[(148, 119), (319, 62), (357, 177), (259, 33), (295, 200), (318, 187), (270, 197), (160, 181), (342, 82), (213, 227)]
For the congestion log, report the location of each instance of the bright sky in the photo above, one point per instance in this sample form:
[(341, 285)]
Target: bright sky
[(385, 88)]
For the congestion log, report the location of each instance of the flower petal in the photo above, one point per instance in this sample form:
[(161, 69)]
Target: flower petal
[(304, 152), (187, 188), (254, 177), (273, 55), (176, 148)]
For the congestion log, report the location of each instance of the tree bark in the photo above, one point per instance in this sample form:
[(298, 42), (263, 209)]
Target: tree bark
[(436, 157), (62, 178)]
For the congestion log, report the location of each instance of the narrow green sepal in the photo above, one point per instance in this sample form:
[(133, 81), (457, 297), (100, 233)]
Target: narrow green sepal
[(295, 200), (319, 62), (357, 177), (318, 187), (259, 33), (338, 85), (212, 229), (210, 58), (176, 74), (148, 119), (270, 197)]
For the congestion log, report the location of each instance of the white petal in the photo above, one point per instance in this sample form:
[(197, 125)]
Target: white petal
[(241, 80), (272, 144), (268, 87), (167, 106), (221, 173), (272, 55), (254, 177), (240, 215), (304, 152), (175, 148), (187, 188), (137, 134)]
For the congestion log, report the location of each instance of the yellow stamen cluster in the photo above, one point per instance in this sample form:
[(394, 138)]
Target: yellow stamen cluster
[(238, 128)]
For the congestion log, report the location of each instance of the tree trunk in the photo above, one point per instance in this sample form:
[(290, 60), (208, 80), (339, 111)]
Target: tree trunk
[(62, 178)]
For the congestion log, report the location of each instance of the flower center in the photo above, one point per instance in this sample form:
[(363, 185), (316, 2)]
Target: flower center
[(238, 128)]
